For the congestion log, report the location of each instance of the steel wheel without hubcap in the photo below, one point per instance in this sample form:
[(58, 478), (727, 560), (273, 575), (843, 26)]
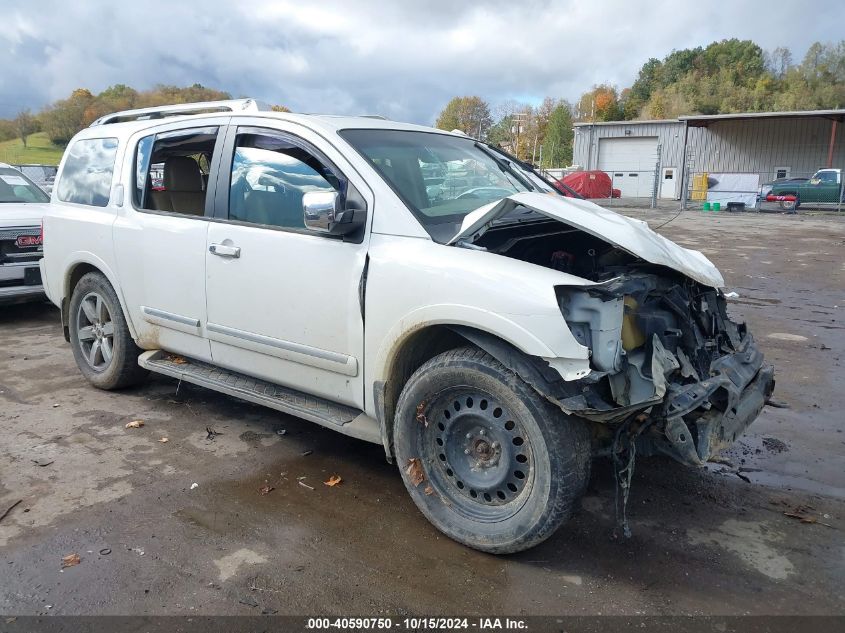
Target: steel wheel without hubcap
[(488, 460), (483, 459), (95, 331)]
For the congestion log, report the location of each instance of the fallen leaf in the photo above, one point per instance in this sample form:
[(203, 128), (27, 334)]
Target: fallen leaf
[(334, 480), (266, 489), (164, 440), (429, 490), (135, 424), (415, 471), (176, 360), (70, 560), (421, 414)]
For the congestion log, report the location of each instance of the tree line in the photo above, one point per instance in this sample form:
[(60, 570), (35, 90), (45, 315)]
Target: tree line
[(65, 117), (728, 76)]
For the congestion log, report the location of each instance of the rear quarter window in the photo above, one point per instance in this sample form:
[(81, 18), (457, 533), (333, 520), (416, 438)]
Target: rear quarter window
[(87, 175)]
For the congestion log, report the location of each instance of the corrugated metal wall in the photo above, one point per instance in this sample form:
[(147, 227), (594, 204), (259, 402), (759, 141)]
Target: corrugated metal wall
[(749, 145), (670, 135), (759, 146)]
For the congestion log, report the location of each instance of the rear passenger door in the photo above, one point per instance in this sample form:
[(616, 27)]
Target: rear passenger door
[(160, 235), (283, 301)]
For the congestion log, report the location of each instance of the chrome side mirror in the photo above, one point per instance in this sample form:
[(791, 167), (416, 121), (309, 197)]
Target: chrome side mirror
[(322, 212)]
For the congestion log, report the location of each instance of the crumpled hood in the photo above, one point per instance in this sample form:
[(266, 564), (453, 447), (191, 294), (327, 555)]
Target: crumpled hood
[(628, 234), (22, 213)]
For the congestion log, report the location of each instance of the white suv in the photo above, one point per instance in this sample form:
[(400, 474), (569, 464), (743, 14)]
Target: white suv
[(404, 286)]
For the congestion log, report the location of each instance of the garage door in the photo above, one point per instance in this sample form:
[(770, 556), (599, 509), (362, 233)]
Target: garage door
[(630, 163)]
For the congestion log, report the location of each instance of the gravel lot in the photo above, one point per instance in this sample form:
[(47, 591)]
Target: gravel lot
[(714, 541)]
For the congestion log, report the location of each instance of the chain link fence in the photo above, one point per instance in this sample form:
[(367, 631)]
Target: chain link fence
[(779, 189)]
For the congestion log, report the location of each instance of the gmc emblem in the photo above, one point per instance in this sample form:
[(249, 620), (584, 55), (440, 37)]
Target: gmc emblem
[(28, 240)]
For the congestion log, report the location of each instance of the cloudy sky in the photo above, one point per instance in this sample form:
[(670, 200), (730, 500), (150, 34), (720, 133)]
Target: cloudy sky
[(403, 59)]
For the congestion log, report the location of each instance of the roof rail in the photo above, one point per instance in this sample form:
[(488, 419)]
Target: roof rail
[(179, 109)]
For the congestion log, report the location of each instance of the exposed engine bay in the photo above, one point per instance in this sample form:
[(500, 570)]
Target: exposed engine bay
[(671, 371)]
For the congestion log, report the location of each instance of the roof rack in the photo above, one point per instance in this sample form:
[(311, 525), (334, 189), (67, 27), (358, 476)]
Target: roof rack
[(181, 109)]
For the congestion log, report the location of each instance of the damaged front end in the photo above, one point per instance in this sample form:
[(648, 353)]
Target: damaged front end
[(669, 365), (670, 371)]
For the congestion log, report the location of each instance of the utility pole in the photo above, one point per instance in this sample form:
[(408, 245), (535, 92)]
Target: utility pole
[(518, 119)]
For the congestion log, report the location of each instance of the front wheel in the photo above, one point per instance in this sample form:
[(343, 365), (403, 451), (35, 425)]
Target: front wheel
[(486, 459), (102, 344)]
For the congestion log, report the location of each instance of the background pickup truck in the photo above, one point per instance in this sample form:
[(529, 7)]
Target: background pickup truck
[(825, 186)]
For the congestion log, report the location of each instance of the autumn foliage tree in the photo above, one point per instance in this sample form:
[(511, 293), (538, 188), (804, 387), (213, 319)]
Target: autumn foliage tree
[(728, 76), (64, 118), (468, 114)]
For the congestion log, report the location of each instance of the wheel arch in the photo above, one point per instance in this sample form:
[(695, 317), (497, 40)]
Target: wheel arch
[(74, 272), (427, 342)]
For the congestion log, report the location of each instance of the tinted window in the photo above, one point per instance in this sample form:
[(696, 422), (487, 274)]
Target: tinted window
[(172, 170), (15, 187), (87, 174), (440, 177), (270, 176)]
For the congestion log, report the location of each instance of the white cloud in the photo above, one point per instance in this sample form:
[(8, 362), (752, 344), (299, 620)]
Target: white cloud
[(401, 59)]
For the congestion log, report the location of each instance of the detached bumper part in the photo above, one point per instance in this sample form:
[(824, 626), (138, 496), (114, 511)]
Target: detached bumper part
[(731, 399)]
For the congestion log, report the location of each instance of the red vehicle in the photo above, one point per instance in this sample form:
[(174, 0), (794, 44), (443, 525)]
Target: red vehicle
[(589, 184)]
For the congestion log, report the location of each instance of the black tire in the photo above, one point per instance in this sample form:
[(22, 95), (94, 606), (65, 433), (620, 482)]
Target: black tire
[(102, 345), (501, 491), (790, 206)]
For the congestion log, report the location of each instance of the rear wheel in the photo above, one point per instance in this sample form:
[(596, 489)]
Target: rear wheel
[(102, 345), (486, 459), (789, 205)]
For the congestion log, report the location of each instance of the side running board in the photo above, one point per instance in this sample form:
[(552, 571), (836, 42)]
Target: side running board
[(338, 417)]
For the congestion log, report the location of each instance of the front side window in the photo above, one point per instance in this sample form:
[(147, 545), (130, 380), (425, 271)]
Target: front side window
[(270, 174), (15, 187), (440, 177), (87, 174), (172, 170), (826, 177)]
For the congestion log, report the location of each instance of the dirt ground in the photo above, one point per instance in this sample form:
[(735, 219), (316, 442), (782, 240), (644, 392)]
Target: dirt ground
[(713, 541)]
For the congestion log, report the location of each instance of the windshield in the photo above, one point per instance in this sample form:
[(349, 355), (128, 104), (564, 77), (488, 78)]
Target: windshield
[(539, 182), (440, 177), (15, 187)]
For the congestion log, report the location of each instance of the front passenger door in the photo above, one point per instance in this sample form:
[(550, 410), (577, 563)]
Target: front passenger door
[(283, 301)]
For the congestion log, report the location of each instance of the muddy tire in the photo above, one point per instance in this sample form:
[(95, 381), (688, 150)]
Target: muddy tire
[(789, 205), (102, 345), (487, 460)]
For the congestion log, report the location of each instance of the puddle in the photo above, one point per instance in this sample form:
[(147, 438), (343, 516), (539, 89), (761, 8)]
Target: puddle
[(784, 336), (752, 542)]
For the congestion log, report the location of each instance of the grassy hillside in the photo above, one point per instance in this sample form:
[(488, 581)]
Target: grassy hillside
[(39, 150)]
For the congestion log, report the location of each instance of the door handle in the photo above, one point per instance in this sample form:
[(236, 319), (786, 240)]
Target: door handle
[(223, 250)]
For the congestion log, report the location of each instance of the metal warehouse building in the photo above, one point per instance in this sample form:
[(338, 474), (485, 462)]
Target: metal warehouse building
[(745, 150)]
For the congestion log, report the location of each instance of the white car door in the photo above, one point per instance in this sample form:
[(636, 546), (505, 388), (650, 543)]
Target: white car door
[(283, 302), (160, 235)]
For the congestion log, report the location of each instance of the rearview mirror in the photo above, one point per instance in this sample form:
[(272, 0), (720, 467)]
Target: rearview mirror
[(323, 213)]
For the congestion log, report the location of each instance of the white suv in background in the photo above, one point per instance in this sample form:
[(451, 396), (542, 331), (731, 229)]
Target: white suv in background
[(401, 285), (22, 205)]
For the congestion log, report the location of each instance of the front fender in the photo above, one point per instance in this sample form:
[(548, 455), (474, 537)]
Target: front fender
[(524, 332)]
